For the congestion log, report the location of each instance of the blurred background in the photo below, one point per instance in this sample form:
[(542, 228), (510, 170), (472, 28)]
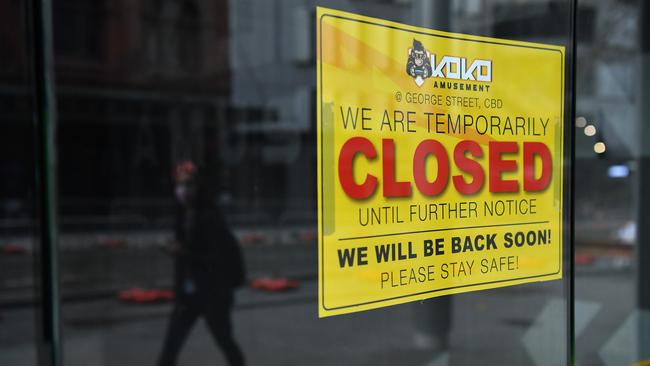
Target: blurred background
[(143, 84)]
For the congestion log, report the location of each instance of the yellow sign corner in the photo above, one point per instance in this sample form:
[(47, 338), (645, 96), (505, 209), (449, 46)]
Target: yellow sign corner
[(440, 162)]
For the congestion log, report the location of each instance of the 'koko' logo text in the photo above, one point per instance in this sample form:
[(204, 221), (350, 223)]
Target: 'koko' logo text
[(422, 64)]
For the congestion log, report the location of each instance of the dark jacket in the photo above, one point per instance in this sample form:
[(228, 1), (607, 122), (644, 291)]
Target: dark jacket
[(210, 255)]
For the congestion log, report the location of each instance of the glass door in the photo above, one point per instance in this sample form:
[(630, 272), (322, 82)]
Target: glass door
[(190, 149)]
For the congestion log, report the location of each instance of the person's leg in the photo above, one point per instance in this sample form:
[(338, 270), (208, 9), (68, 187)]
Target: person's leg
[(180, 323), (218, 319)]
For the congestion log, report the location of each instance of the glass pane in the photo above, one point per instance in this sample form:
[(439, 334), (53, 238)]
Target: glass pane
[(196, 119), (18, 287), (611, 176)]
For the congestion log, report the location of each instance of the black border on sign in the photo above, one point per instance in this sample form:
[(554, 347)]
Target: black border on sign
[(320, 77)]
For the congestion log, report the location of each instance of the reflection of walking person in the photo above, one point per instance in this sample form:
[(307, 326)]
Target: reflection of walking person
[(208, 267)]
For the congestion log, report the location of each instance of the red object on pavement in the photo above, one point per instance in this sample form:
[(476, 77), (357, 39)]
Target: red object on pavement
[(113, 243), (274, 284), (584, 259), (253, 238), (143, 296), (12, 249), (309, 235)]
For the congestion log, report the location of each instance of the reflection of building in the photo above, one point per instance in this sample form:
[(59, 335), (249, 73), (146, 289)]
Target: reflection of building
[(179, 45), (138, 81), (272, 58), (137, 84)]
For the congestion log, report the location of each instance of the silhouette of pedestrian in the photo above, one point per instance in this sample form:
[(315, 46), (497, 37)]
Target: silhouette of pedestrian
[(208, 266)]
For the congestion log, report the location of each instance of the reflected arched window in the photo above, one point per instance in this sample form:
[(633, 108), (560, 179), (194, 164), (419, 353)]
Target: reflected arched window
[(188, 28), (173, 36)]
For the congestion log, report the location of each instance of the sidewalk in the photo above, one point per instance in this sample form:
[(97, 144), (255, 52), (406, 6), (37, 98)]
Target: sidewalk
[(97, 266)]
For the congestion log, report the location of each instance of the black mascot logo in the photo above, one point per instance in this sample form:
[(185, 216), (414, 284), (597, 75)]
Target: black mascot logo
[(419, 63)]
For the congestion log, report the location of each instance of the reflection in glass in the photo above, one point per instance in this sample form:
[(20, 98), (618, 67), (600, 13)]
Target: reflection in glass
[(207, 266)]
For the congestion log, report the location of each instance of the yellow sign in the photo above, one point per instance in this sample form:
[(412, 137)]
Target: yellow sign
[(440, 162)]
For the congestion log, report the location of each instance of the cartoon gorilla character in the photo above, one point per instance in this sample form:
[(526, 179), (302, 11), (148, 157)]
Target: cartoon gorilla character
[(418, 63)]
